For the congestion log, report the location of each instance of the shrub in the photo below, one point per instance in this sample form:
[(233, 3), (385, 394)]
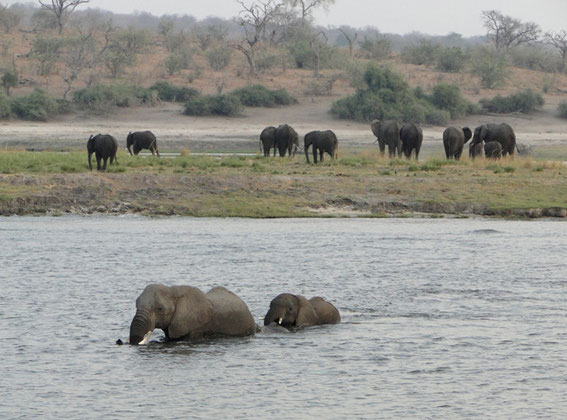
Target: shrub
[(172, 93), (4, 107), (378, 48), (491, 66), (534, 58), (228, 105), (259, 95), (424, 52), (451, 60), (105, 97), (525, 101), (46, 50), (38, 106), (219, 57), (9, 80), (562, 108), (448, 97)]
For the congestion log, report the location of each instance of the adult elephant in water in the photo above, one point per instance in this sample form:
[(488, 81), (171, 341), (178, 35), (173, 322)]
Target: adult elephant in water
[(454, 139), (104, 146), (185, 312), (321, 141), (411, 136), (290, 310), (142, 140), (502, 133), (268, 140), (387, 134), (286, 140)]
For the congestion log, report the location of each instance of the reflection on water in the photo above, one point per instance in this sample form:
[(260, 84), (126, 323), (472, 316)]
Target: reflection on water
[(441, 318)]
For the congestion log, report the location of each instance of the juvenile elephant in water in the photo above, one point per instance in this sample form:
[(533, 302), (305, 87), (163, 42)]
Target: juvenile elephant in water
[(268, 140), (142, 140), (493, 150), (321, 141), (286, 140), (454, 139), (411, 136), (387, 133), (290, 310), (104, 146), (502, 133), (185, 312)]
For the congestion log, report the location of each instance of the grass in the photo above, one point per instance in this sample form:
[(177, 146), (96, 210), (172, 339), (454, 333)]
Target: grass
[(253, 186)]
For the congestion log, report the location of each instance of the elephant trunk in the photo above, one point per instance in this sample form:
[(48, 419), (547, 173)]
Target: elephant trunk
[(273, 315), (141, 325), (90, 164)]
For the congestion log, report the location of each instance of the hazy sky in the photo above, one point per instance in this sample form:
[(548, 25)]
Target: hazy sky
[(433, 17)]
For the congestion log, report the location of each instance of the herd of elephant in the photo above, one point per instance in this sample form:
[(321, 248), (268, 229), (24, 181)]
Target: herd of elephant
[(186, 313), (495, 140)]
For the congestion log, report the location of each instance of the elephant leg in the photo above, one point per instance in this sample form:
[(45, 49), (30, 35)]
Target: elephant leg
[(321, 152), (382, 146), (98, 159), (314, 154), (458, 153), (105, 159)]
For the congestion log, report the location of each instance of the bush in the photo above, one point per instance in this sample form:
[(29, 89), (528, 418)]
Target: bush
[(228, 105), (491, 66), (451, 60), (378, 48), (424, 52), (38, 106), (259, 95), (105, 97), (219, 57), (172, 93), (4, 107), (562, 108), (448, 97), (534, 58), (525, 101)]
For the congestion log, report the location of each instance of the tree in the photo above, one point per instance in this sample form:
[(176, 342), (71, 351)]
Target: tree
[(9, 80), (559, 41), (253, 20), (62, 9), (79, 55), (316, 46), (351, 39), (506, 32), (306, 8), (9, 18)]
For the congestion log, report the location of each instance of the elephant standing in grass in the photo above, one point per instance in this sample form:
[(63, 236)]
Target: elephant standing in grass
[(493, 150), (411, 136), (104, 146), (387, 133), (475, 150), (268, 140), (290, 310), (286, 140), (454, 139), (185, 312), (321, 141), (142, 140), (502, 133)]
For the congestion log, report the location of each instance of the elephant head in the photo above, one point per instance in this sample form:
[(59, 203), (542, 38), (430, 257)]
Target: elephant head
[(290, 310), (129, 142), (179, 311), (91, 149), (480, 134)]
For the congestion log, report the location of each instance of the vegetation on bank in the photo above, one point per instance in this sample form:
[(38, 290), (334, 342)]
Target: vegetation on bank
[(525, 101), (253, 186)]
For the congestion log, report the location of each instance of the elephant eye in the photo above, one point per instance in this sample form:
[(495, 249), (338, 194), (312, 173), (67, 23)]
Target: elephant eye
[(160, 308)]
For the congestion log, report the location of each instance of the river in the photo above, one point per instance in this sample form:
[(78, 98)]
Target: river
[(440, 318)]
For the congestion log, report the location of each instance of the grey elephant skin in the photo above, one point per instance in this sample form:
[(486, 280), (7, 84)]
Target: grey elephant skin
[(454, 139), (321, 142), (104, 146), (475, 150), (502, 133), (290, 311), (388, 134), (268, 140), (185, 312), (140, 140), (411, 136), (493, 150), (286, 140)]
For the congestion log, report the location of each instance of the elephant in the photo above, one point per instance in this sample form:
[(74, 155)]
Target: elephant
[(493, 150), (321, 141), (185, 312), (502, 133), (268, 140), (104, 146), (454, 139), (411, 136), (285, 140), (142, 140), (475, 150), (387, 133), (290, 310)]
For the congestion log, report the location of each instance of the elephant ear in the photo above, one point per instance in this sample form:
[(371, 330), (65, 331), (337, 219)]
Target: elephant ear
[(468, 133), (375, 127), (307, 314), (193, 313), (483, 132)]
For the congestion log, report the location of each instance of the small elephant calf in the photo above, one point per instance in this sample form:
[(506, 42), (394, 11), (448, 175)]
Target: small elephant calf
[(290, 310)]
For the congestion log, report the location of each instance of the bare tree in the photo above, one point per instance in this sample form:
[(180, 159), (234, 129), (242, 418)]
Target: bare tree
[(317, 46), (507, 32), (253, 20), (306, 8), (79, 55), (62, 9), (559, 41), (351, 39)]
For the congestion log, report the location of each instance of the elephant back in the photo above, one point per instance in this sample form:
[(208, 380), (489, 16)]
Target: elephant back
[(231, 315)]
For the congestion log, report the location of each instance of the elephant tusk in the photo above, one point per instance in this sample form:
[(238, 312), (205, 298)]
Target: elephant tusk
[(280, 321), (146, 338)]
